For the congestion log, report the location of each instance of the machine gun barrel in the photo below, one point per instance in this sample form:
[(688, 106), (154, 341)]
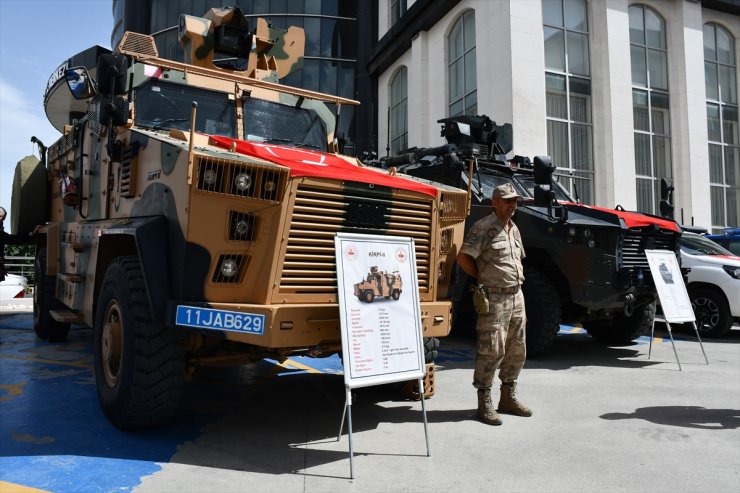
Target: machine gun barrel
[(414, 155)]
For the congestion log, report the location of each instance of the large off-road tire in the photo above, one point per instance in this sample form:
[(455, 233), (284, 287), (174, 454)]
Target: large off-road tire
[(542, 304), (623, 329), (139, 364), (368, 296), (712, 312), (396, 294), (431, 349), (44, 300)]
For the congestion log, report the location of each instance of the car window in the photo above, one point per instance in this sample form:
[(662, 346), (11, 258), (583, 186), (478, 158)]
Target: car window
[(734, 246), (698, 245)]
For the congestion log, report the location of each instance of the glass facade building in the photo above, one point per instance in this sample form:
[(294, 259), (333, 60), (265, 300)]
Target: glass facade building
[(331, 63)]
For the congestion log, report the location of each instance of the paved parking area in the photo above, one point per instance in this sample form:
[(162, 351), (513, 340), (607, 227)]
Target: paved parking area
[(605, 419)]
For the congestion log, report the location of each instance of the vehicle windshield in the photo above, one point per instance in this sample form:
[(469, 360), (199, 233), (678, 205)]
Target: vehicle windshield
[(166, 105), (490, 181), (561, 194), (698, 245), (272, 122)]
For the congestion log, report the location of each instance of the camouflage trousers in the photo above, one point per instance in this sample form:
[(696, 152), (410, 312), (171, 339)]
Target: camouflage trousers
[(501, 340)]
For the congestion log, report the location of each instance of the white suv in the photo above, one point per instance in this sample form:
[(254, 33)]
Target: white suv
[(713, 283)]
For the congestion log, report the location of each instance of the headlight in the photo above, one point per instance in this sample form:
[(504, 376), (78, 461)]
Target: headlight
[(243, 181), (242, 227), (229, 268), (732, 270), (210, 176)]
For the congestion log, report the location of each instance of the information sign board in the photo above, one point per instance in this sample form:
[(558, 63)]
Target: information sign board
[(674, 299), (379, 309)]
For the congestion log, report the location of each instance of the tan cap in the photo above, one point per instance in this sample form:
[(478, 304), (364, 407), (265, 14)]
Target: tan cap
[(505, 191)]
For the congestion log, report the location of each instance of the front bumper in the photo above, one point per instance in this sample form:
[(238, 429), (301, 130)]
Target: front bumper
[(305, 325)]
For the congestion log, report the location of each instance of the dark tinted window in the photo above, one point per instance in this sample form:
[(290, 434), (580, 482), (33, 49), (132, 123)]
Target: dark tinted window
[(267, 121), (166, 105)]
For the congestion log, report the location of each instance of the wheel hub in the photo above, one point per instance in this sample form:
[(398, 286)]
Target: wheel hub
[(707, 312), (112, 344)]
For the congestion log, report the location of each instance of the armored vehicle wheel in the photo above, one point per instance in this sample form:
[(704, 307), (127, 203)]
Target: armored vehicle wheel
[(431, 349), (44, 300), (542, 304), (139, 364), (396, 294), (368, 296), (623, 329), (713, 318)]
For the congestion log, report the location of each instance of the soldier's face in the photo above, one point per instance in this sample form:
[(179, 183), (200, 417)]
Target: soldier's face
[(505, 208)]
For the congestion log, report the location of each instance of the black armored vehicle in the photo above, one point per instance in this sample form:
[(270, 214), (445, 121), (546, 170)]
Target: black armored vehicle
[(584, 265)]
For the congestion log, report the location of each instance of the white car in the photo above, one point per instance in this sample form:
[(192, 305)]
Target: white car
[(713, 283), (13, 286)]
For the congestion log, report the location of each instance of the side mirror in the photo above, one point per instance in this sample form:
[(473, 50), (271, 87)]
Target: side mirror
[(543, 170), (80, 83)]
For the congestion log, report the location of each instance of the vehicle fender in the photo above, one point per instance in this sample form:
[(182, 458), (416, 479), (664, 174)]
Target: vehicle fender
[(147, 239)]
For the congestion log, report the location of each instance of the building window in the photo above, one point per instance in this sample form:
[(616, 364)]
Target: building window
[(568, 94), (650, 105), (398, 8), (722, 126), (399, 124), (463, 98)]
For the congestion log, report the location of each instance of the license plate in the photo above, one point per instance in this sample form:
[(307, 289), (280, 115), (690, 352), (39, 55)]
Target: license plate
[(209, 318)]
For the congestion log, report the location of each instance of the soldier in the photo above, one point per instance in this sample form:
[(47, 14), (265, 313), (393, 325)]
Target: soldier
[(492, 253)]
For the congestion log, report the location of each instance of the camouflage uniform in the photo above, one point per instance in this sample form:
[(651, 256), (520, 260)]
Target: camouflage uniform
[(498, 256)]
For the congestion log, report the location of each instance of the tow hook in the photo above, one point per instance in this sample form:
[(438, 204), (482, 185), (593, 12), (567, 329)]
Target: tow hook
[(629, 305)]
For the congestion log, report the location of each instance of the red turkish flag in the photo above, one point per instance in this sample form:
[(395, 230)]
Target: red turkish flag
[(303, 162)]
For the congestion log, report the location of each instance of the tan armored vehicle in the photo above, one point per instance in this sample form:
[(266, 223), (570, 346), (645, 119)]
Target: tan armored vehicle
[(387, 285), (193, 208)]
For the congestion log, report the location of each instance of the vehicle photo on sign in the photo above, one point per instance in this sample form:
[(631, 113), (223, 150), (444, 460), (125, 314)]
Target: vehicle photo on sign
[(379, 309)]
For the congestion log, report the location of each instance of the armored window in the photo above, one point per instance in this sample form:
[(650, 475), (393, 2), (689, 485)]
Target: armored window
[(650, 105), (166, 105), (461, 71), (722, 126), (568, 94), (399, 112), (267, 121)]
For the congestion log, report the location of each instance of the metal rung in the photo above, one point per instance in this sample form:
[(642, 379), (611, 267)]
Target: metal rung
[(66, 316), (75, 278)]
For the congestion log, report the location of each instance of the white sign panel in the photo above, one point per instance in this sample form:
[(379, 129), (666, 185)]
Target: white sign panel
[(379, 309), (671, 290)]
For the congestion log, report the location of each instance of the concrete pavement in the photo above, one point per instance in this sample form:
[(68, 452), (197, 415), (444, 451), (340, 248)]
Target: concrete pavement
[(605, 418)]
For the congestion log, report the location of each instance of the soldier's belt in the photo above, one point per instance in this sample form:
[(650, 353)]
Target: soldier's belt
[(497, 290)]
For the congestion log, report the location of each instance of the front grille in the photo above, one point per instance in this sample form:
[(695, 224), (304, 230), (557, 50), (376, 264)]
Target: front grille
[(310, 265), (253, 181), (637, 240)]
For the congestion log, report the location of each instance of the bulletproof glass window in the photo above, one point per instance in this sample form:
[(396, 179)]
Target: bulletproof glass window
[(165, 105), (271, 122)]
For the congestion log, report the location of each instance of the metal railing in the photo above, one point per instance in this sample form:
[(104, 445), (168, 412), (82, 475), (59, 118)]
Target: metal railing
[(20, 265)]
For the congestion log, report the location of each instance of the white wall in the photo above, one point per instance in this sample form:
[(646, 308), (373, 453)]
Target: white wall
[(511, 88)]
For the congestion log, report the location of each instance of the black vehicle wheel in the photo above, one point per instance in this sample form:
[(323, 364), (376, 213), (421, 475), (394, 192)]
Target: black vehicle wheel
[(44, 301), (542, 304), (139, 364), (396, 294), (431, 349), (623, 329), (368, 296), (712, 312)]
